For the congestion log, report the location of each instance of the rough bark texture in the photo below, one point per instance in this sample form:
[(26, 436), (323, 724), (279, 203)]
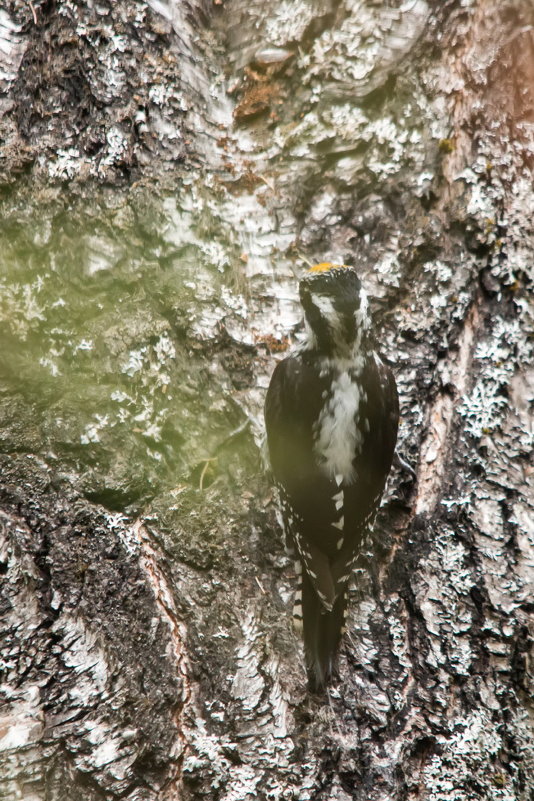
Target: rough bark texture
[(153, 658)]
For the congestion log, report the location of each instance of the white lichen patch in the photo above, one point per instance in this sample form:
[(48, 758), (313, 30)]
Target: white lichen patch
[(164, 349), (149, 363), (389, 267), (117, 147), (288, 22), (497, 359), (83, 345), (506, 588), (483, 409), (393, 607), (135, 363), (92, 431), (470, 753), (443, 596), (244, 244), (22, 306), (66, 164), (487, 516), (52, 361), (370, 39)]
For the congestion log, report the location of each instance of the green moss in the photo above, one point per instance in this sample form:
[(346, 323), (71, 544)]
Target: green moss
[(105, 365)]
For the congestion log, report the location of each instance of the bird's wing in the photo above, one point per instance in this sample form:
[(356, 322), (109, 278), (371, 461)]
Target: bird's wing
[(293, 403), (378, 419)]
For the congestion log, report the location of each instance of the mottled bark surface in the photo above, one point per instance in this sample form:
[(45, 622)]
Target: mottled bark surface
[(147, 649)]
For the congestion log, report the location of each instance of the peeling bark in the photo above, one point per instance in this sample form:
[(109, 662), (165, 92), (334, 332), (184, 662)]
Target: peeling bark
[(148, 652)]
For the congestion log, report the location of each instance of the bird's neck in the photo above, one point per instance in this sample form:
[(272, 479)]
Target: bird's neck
[(336, 353)]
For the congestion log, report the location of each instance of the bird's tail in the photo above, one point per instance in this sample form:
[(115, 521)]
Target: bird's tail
[(322, 631)]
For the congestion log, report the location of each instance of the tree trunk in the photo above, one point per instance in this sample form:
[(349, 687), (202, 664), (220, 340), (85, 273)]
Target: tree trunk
[(147, 649)]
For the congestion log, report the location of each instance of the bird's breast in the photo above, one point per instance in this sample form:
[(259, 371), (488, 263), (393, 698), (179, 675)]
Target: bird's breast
[(337, 432)]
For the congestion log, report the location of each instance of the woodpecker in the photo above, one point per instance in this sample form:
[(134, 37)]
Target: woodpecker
[(331, 415)]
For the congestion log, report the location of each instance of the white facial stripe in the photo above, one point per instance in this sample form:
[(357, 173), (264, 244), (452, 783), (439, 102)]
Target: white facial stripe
[(330, 314), (325, 306)]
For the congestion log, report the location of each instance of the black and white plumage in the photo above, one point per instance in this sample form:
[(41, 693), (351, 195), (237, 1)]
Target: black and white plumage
[(331, 415)]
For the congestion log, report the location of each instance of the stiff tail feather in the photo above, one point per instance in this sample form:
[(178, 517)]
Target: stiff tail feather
[(322, 632)]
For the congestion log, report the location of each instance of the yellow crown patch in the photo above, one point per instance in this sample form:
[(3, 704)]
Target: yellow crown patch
[(324, 266)]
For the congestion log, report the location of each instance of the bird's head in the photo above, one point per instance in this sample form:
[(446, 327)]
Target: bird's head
[(335, 307)]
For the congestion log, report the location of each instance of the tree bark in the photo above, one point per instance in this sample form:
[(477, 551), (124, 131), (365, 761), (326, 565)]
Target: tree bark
[(152, 656)]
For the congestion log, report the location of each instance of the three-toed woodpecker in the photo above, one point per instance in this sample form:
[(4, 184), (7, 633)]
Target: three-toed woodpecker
[(331, 415)]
